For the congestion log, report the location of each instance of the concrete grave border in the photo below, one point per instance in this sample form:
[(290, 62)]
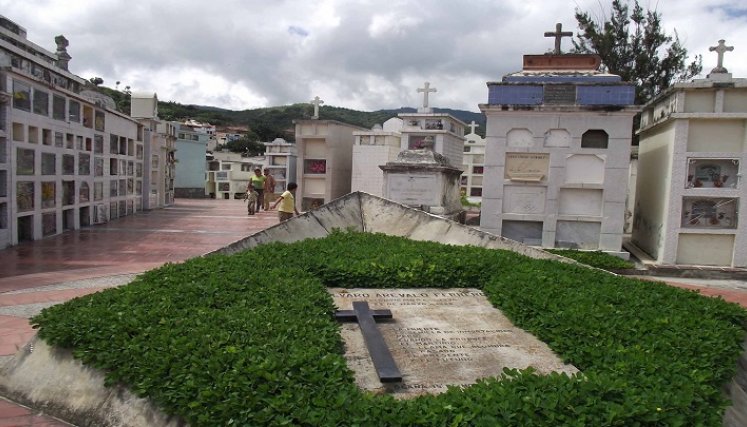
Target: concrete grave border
[(50, 379)]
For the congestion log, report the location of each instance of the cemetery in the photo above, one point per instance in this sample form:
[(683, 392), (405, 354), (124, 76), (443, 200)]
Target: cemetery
[(198, 342), (382, 307)]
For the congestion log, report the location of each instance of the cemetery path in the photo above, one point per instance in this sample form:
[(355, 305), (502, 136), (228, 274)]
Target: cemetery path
[(38, 274), (35, 275)]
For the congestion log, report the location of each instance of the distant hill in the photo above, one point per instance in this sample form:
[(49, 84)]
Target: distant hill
[(269, 123)]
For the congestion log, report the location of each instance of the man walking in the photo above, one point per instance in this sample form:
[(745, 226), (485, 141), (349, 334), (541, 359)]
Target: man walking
[(269, 187), (257, 181)]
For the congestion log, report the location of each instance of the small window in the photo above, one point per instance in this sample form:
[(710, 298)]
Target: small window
[(73, 111), (475, 192), (24, 162), (68, 164), (594, 138), (48, 164), (99, 123), (21, 96), (478, 170), (49, 194), (225, 167), (41, 102), (58, 107)]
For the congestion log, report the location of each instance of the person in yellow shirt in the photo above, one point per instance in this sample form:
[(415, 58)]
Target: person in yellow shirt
[(257, 181), (287, 202)]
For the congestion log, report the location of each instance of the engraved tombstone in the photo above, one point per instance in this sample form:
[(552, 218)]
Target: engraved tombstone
[(439, 338)]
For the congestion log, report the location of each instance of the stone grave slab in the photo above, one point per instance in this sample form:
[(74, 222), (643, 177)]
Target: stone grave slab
[(439, 337)]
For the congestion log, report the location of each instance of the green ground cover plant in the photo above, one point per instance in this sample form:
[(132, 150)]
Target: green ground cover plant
[(222, 340), (596, 259)]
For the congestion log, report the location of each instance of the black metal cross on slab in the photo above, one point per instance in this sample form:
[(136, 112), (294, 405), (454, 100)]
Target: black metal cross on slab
[(382, 358)]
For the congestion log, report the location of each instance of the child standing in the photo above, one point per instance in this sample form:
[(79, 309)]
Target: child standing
[(251, 198), (287, 202)]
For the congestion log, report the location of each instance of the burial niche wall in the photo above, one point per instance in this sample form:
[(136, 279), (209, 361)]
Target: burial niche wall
[(519, 138), (557, 138), (577, 234), (580, 202), (519, 199), (527, 232), (584, 169)]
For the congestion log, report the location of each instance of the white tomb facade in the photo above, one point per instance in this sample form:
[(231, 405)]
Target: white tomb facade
[(691, 206), (473, 165), (557, 153), (370, 150), (324, 165)]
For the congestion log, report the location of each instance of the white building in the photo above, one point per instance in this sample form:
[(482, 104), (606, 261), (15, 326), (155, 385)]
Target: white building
[(325, 160), (159, 141), (691, 205), (228, 174), (474, 165), (557, 153), (372, 149), (68, 159), (191, 149), (280, 159)]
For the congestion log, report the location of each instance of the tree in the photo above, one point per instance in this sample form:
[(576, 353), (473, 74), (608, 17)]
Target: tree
[(635, 47), (97, 81), (245, 146)]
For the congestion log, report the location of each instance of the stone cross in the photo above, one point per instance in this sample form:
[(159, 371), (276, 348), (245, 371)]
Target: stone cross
[(720, 49), (425, 90), (472, 126), (558, 34), (316, 102), (380, 355)]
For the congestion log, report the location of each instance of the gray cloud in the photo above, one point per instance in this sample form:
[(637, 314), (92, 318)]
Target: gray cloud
[(352, 53)]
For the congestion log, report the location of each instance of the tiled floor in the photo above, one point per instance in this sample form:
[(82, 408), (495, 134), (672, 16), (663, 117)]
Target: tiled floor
[(131, 244)]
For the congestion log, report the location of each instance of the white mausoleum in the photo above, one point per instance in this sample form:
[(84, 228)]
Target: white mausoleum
[(557, 153), (690, 207)]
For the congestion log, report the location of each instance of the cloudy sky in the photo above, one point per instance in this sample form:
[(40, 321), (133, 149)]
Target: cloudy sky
[(359, 54)]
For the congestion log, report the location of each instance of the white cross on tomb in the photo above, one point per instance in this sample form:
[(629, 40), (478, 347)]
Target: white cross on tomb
[(425, 90), (720, 49), (472, 126), (316, 102)]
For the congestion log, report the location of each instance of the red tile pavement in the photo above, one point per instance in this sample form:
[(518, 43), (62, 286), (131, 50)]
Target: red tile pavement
[(731, 295), (14, 415), (44, 296), (131, 244)]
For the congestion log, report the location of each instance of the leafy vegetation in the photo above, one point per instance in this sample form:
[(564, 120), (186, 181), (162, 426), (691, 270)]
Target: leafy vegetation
[(634, 45), (596, 259), (209, 342)]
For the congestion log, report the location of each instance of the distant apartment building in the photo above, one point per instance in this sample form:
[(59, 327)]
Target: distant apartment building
[(191, 148), (160, 145), (68, 158), (228, 174), (474, 166)]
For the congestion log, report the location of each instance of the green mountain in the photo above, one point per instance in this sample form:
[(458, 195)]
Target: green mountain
[(269, 123)]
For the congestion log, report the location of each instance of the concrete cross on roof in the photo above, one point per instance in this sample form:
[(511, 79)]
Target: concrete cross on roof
[(720, 49), (558, 34), (316, 102), (425, 90), (472, 126)]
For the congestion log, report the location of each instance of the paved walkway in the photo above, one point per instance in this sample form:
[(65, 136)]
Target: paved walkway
[(35, 275)]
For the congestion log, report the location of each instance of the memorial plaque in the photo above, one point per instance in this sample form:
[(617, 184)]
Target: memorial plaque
[(527, 166), (560, 94), (414, 189), (438, 338)]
